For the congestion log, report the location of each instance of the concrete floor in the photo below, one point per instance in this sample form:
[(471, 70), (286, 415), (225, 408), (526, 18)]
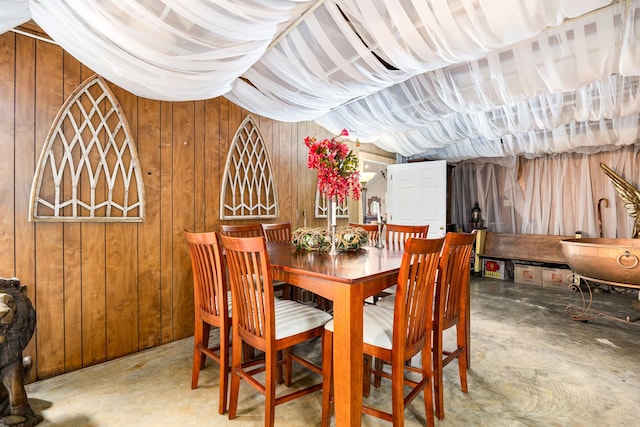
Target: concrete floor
[(531, 366)]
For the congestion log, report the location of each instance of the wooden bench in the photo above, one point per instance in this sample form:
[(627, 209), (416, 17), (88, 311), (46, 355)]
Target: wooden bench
[(534, 248)]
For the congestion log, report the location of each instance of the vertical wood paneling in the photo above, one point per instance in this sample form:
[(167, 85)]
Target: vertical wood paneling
[(283, 144), (94, 320), (94, 298), (72, 249), (149, 247), (121, 261), (213, 163), (49, 237), (183, 213), (166, 221), (105, 290), (224, 142), (199, 175), (121, 290), (306, 180), (7, 133), (24, 166), (267, 129)]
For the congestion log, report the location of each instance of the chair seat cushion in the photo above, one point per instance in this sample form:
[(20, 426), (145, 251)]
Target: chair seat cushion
[(293, 318), (377, 326), (229, 311)]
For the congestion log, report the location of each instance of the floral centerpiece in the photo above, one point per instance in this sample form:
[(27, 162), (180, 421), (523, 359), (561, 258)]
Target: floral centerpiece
[(318, 239), (338, 177), (337, 167)]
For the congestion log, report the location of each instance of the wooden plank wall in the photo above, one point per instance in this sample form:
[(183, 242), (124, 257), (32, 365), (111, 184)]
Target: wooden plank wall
[(102, 290)]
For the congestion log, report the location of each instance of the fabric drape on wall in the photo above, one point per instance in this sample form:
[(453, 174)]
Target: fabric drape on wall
[(13, 13), (556, 195), (170, 50)]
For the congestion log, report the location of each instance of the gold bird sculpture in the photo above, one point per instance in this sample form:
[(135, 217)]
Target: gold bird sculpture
[(628, 194)]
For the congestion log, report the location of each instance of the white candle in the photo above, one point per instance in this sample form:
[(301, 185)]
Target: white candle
[(334, 212)]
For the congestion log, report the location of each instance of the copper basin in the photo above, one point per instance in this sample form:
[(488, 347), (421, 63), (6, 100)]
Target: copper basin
[(606, 259)]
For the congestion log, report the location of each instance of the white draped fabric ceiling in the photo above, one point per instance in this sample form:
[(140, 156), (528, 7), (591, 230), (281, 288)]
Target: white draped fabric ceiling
[(436, 79)]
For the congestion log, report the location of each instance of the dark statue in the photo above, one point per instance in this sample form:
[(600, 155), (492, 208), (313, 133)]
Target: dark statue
[(17, 324)]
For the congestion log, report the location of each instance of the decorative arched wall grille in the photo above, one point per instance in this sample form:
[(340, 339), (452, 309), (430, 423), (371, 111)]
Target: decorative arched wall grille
[(248, 187), (88, 169), (322, 207)]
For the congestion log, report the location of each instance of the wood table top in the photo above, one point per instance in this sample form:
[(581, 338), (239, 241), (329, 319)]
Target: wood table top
[(347, 267)]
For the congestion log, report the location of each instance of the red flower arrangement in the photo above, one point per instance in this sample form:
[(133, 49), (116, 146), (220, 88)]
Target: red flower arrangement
[(337, 167)]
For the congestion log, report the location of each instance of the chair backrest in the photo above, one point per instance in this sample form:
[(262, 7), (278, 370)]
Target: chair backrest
[(371, 229), (209, 279), (242, 230), (251, 285), (279, 232), (453, 278), (414, 295), (398, 234)]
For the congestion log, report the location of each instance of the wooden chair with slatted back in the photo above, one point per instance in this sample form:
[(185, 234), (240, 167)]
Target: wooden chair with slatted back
[(395, 237), (398, 335), (265, 323), (398, 234), (280, 232), (372, 231), (451, 310), (212, 308), (242, 230), (277, 232)]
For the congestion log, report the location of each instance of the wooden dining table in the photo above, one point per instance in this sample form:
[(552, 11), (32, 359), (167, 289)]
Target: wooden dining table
[(346, 279)]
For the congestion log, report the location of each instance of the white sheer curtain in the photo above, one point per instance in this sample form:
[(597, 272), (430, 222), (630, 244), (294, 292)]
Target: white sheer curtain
[(167, 49), (556, 195), (531, 98), (322, 63), (13, 13), (452, 79)]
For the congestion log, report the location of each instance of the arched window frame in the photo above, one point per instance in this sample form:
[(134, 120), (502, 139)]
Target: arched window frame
[(248, 187), (89, 151)]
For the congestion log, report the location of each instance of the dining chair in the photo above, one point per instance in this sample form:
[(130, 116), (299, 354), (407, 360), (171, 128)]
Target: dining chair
[(212, 308), (372, 231), (257, 230), (395, 237), (242, 230), (265, 323), (280, 232), (277, 232), (398, 335), (398, 234), (451, 309)]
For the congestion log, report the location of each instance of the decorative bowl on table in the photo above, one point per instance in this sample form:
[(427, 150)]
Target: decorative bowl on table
[(319, 239)]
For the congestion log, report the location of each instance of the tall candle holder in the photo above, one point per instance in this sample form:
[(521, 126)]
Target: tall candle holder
[(379, 242), (375, 207), (331, 215), (333, 250)]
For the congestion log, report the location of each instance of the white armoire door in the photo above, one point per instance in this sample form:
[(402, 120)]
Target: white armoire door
[(417, 194)]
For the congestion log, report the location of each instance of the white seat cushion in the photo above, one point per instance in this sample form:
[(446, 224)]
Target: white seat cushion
[(293, 318), (229, 311), (377, 326)]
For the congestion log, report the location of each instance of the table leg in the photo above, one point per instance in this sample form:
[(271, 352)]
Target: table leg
[(467, 320), (347, 355)]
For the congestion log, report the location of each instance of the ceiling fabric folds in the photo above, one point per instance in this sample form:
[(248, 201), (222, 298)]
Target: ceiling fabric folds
[(454, 80)]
